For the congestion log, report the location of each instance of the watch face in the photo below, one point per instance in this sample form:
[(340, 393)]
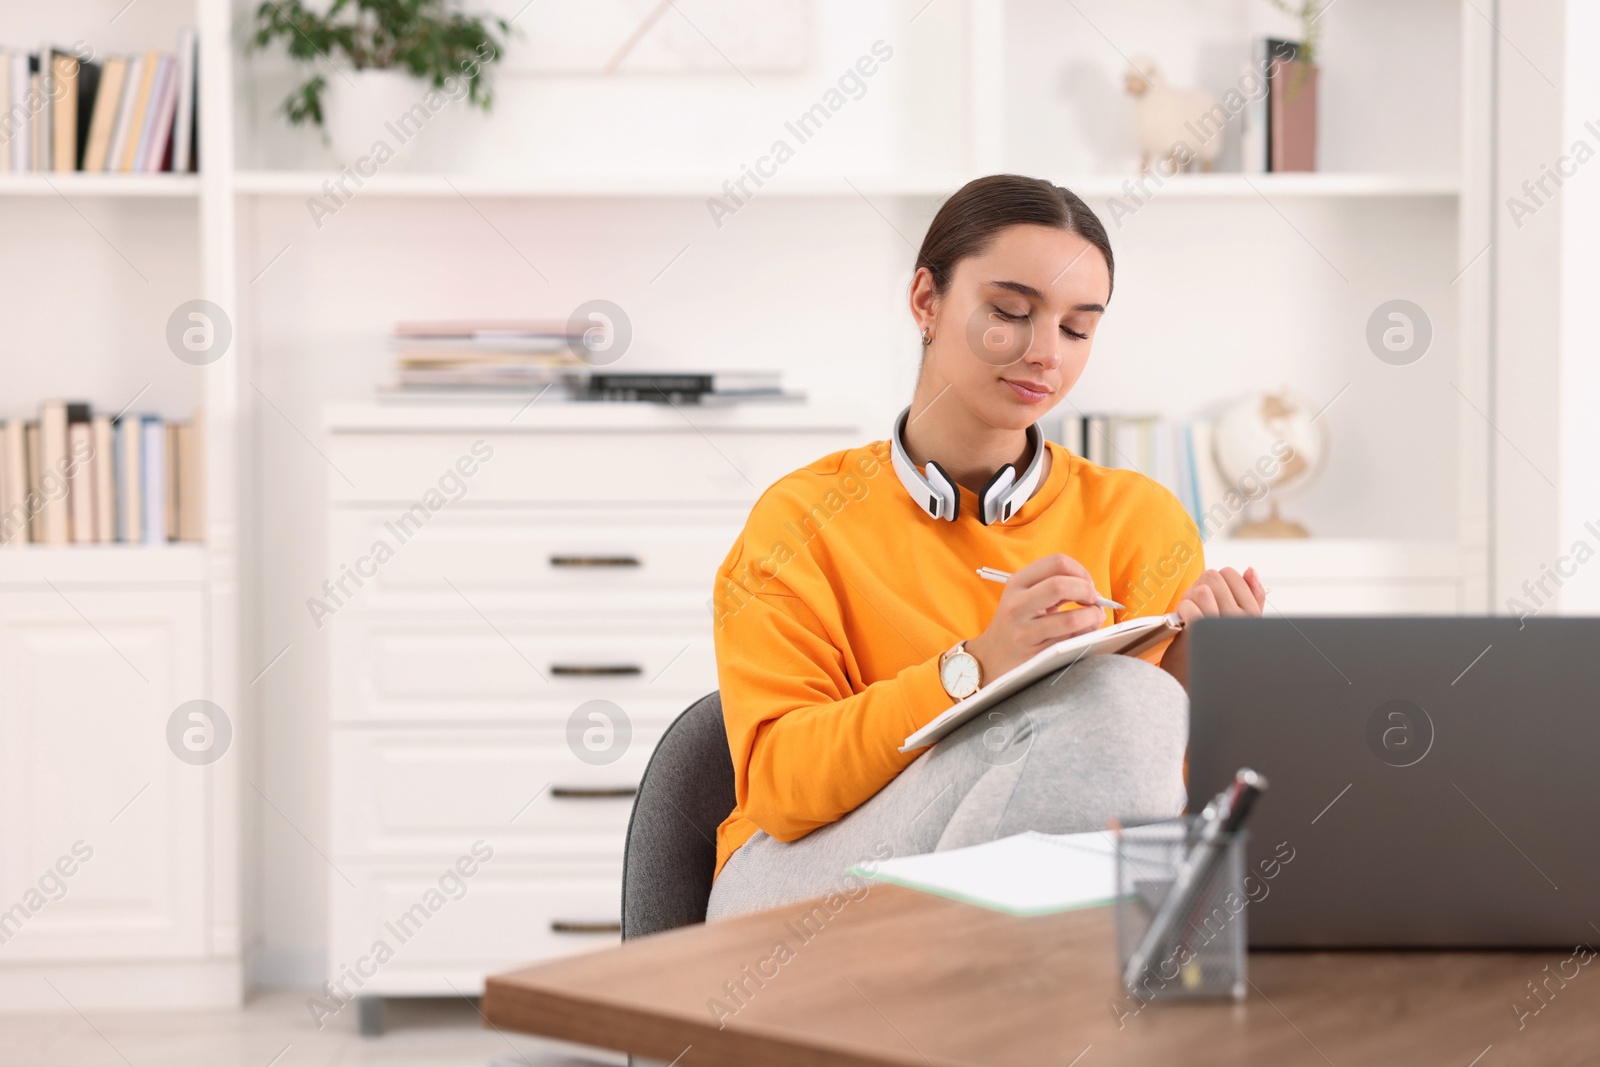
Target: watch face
[(959, 673)]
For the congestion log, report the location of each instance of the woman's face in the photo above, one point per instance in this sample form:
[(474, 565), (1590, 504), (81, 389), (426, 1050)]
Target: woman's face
[(1012, 333)]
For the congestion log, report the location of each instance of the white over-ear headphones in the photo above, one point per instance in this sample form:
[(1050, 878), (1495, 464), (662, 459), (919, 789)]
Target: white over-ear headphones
[(936, 492)]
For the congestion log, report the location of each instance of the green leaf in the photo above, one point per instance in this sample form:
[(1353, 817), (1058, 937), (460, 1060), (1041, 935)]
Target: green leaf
[(430, 39)]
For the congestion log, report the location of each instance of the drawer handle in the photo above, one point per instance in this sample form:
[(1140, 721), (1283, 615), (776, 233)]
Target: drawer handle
[(574, 792), (594, 561), (561, 926), (592, 670)]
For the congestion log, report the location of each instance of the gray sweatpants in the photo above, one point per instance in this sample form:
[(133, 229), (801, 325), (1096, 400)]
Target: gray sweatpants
[(1103, 740)]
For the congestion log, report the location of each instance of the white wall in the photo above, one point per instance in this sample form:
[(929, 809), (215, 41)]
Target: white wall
[(1388, 94), (1524, 408), (1580, 281), (706, 122)]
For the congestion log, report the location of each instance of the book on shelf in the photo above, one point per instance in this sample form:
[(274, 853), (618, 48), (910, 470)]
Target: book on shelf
[(53, 439), (1280, 130), (672, 387), (1176, 453), (80, 475), (1292, 110), (125, 114), (155, 481), (105, 481), (13, 480), (22, 130), (39, 73), (33, 437), (86, 85), (105, 104), (72, 477), (39, 123), (139, 92), (188, 85), (64, 111)]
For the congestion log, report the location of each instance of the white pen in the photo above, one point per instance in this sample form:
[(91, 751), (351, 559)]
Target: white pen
[(994, 574)]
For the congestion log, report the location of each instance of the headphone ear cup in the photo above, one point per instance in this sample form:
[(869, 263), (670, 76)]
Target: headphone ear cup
[(990, 507), (945, 487)]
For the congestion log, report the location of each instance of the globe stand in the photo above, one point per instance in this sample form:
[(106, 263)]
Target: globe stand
[(1273, 526)]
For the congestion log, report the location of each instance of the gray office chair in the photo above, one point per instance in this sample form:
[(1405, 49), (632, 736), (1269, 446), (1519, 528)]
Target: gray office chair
[(671, 850)]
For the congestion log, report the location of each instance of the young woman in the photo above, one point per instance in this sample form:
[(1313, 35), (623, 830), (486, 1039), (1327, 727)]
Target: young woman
[(849, 613)]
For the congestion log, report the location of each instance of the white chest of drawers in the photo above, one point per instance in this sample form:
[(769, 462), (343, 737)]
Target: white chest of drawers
[(493, 571)]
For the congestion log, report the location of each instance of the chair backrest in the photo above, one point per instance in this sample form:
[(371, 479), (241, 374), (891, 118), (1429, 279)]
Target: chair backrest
[(671, 851)]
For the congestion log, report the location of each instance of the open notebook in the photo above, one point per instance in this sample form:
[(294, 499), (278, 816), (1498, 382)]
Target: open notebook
[(1027, 874), (1125, 638)]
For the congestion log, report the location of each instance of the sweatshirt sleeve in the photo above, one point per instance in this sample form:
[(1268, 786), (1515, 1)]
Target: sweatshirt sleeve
[(1165, 557), (808, 748)]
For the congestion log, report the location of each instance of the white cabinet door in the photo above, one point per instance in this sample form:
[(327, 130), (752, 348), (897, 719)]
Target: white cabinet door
[(88, 680), (420, 791)]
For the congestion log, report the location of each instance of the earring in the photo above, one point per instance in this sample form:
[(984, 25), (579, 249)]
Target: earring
[(926, 339)]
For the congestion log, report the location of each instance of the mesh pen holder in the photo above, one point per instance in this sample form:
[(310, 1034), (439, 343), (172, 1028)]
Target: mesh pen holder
[(1207, 955)]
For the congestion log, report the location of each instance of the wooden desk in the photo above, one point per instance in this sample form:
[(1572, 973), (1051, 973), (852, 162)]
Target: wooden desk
[(902, 978)]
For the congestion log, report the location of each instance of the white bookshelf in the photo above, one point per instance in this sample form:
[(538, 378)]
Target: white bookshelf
[(131, 186), (104, 565), (311, 306), (115, 637), (310, 183)]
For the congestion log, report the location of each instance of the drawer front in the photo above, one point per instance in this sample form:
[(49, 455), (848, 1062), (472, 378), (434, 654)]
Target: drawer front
[(571, 560), (715, 466), (420, 791), (444, 933), (461, 666)]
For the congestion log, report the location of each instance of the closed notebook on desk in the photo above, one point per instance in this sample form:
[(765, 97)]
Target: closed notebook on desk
[(1125, 638)]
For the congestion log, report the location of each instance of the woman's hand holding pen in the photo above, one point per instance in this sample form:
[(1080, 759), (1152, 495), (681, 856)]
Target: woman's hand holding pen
[(1214, 593), (1027, 620)]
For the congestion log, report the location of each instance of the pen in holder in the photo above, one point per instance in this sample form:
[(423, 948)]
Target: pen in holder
[(1201, 952)]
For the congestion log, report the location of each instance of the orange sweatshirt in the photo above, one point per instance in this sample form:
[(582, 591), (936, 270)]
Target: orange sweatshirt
[(836, 602)]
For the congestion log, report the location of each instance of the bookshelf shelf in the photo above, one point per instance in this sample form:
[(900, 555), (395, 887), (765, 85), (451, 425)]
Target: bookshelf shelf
[(122, 566), (1186, 186), (78, 184)]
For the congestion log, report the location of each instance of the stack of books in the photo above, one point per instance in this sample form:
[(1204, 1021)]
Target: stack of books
[(72, 477), (486, 355), (62, 111), (1178, 454), (462, 360)]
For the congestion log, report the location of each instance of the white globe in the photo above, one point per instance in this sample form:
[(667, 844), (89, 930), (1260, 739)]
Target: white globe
[(1270, 438), (1267, 446)]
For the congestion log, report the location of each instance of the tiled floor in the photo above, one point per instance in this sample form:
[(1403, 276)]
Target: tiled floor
[(276, 1030)]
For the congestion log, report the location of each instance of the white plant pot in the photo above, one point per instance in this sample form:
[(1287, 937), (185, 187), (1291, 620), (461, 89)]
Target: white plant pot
[(356, 111)]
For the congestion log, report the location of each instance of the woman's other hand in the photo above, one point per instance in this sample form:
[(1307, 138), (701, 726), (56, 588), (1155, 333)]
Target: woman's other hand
[(1214, 594)]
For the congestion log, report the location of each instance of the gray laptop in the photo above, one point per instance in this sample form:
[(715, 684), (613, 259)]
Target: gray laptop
[(1435, 780)]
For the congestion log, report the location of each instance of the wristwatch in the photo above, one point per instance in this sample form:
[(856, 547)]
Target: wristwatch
[(959, 672)]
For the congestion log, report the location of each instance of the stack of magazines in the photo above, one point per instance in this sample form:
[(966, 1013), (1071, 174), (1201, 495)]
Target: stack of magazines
[(470, 359), (486, 354)]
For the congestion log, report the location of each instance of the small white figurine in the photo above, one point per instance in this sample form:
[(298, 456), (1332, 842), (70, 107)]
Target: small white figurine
[(1180, 126)]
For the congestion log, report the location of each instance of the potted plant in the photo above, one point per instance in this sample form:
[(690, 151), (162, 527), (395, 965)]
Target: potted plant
[(378, 51), (1309, 12)]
